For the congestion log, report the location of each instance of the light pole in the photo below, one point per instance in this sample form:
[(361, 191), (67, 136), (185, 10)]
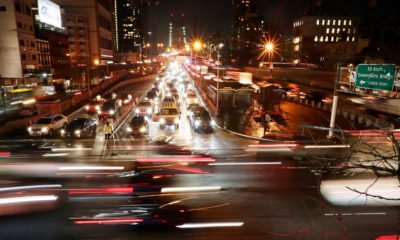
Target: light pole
[(269, 47), (221, 45)]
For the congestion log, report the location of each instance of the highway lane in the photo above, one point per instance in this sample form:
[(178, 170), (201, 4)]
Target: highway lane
[(268, 195)]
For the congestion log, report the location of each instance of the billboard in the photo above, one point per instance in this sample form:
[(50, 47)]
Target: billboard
[(49, 13)]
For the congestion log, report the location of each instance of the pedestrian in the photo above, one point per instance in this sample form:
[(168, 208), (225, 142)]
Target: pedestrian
[(107, 130)]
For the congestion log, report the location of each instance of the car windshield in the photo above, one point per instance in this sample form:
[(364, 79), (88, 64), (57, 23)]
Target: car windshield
[(144, 104), (137, 121), (75, 124), (169, 111), (44, 121), (108, 105)]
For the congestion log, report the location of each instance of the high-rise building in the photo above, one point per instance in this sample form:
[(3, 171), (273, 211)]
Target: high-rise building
[(100, 25), (248, 31), (177, 31), (131, 27), (314, 38), (77, 29), (18, 54)]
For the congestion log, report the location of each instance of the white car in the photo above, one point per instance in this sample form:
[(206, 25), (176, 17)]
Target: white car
[(144, 107), (191, 98), (48, 125)]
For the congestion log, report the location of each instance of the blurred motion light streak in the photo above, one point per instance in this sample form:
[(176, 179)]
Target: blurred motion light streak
[(176, 159), (243, 163), (272, 145), (90, 168), (189, 189), (29, 187), (28, 199), (210, 225), (327, 146)]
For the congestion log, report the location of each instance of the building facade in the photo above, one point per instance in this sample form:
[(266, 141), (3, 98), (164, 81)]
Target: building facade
[(44, 62), (316, 39), (18, 54), (100, 25), (77, 29), (131, 25), (177, 31)]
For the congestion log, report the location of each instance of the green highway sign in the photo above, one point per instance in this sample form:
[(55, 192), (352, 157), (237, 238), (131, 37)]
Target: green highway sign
[(376, 76)]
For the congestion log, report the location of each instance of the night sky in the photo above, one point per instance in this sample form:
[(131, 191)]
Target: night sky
[(217, 14)]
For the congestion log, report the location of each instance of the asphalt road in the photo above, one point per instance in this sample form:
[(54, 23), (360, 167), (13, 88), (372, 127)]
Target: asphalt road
[(266, 195)]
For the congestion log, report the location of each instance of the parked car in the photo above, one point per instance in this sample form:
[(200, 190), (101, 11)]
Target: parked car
[(28, 111), (79, 128), (110, 109), (48, 125), (138, 126), (201, 120)]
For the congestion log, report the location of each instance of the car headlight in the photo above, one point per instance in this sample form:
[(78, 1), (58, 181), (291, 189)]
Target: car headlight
[(176, 120), (62, 131), (149, 111), (44, 129), (162, 120), (142, 129), (78, 132), (195, 101), (87, 107), (126, 101), (212, 122), (97, 108), (197, 123), (129, 129), (99, 112), (137, 110), (29, 129), (112, 112)]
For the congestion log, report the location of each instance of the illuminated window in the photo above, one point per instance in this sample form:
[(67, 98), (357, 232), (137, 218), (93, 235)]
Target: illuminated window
[(333, 30), (296, 47), (316, 39), (337, 39), (333, 22), (327, 30), (344, 22), (349, 22), (338, 30), (348, 30), (348, 38), (339, 22), (328, 22), (353, 39), (332, 38), (296, 40), (323, 21), (321, 39), (317, 22), (326, 39)]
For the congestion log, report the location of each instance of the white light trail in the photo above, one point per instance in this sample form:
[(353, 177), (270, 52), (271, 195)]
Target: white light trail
[(29, 187), (70, 149), (356, 214), (210, 225), (268, 150), (89, 168), (189, 189), (28, 199)]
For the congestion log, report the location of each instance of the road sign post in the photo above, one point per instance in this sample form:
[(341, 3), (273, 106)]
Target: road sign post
[(376, 76)]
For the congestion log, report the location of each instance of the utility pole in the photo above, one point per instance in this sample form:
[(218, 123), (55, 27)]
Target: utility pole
[(335, 100)]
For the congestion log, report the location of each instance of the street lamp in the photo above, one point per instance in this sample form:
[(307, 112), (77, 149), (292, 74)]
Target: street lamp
[(196, 47), (269, 47), (221, 45)]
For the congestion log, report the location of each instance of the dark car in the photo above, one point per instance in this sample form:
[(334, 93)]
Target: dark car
[(79, 128), (316, 97), (110, 109), (200, 120), (151, 95), (138, 126)]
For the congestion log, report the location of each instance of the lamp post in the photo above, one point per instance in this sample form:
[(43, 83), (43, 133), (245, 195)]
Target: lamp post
[(269, 47), (221, 45), (89, 80)]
